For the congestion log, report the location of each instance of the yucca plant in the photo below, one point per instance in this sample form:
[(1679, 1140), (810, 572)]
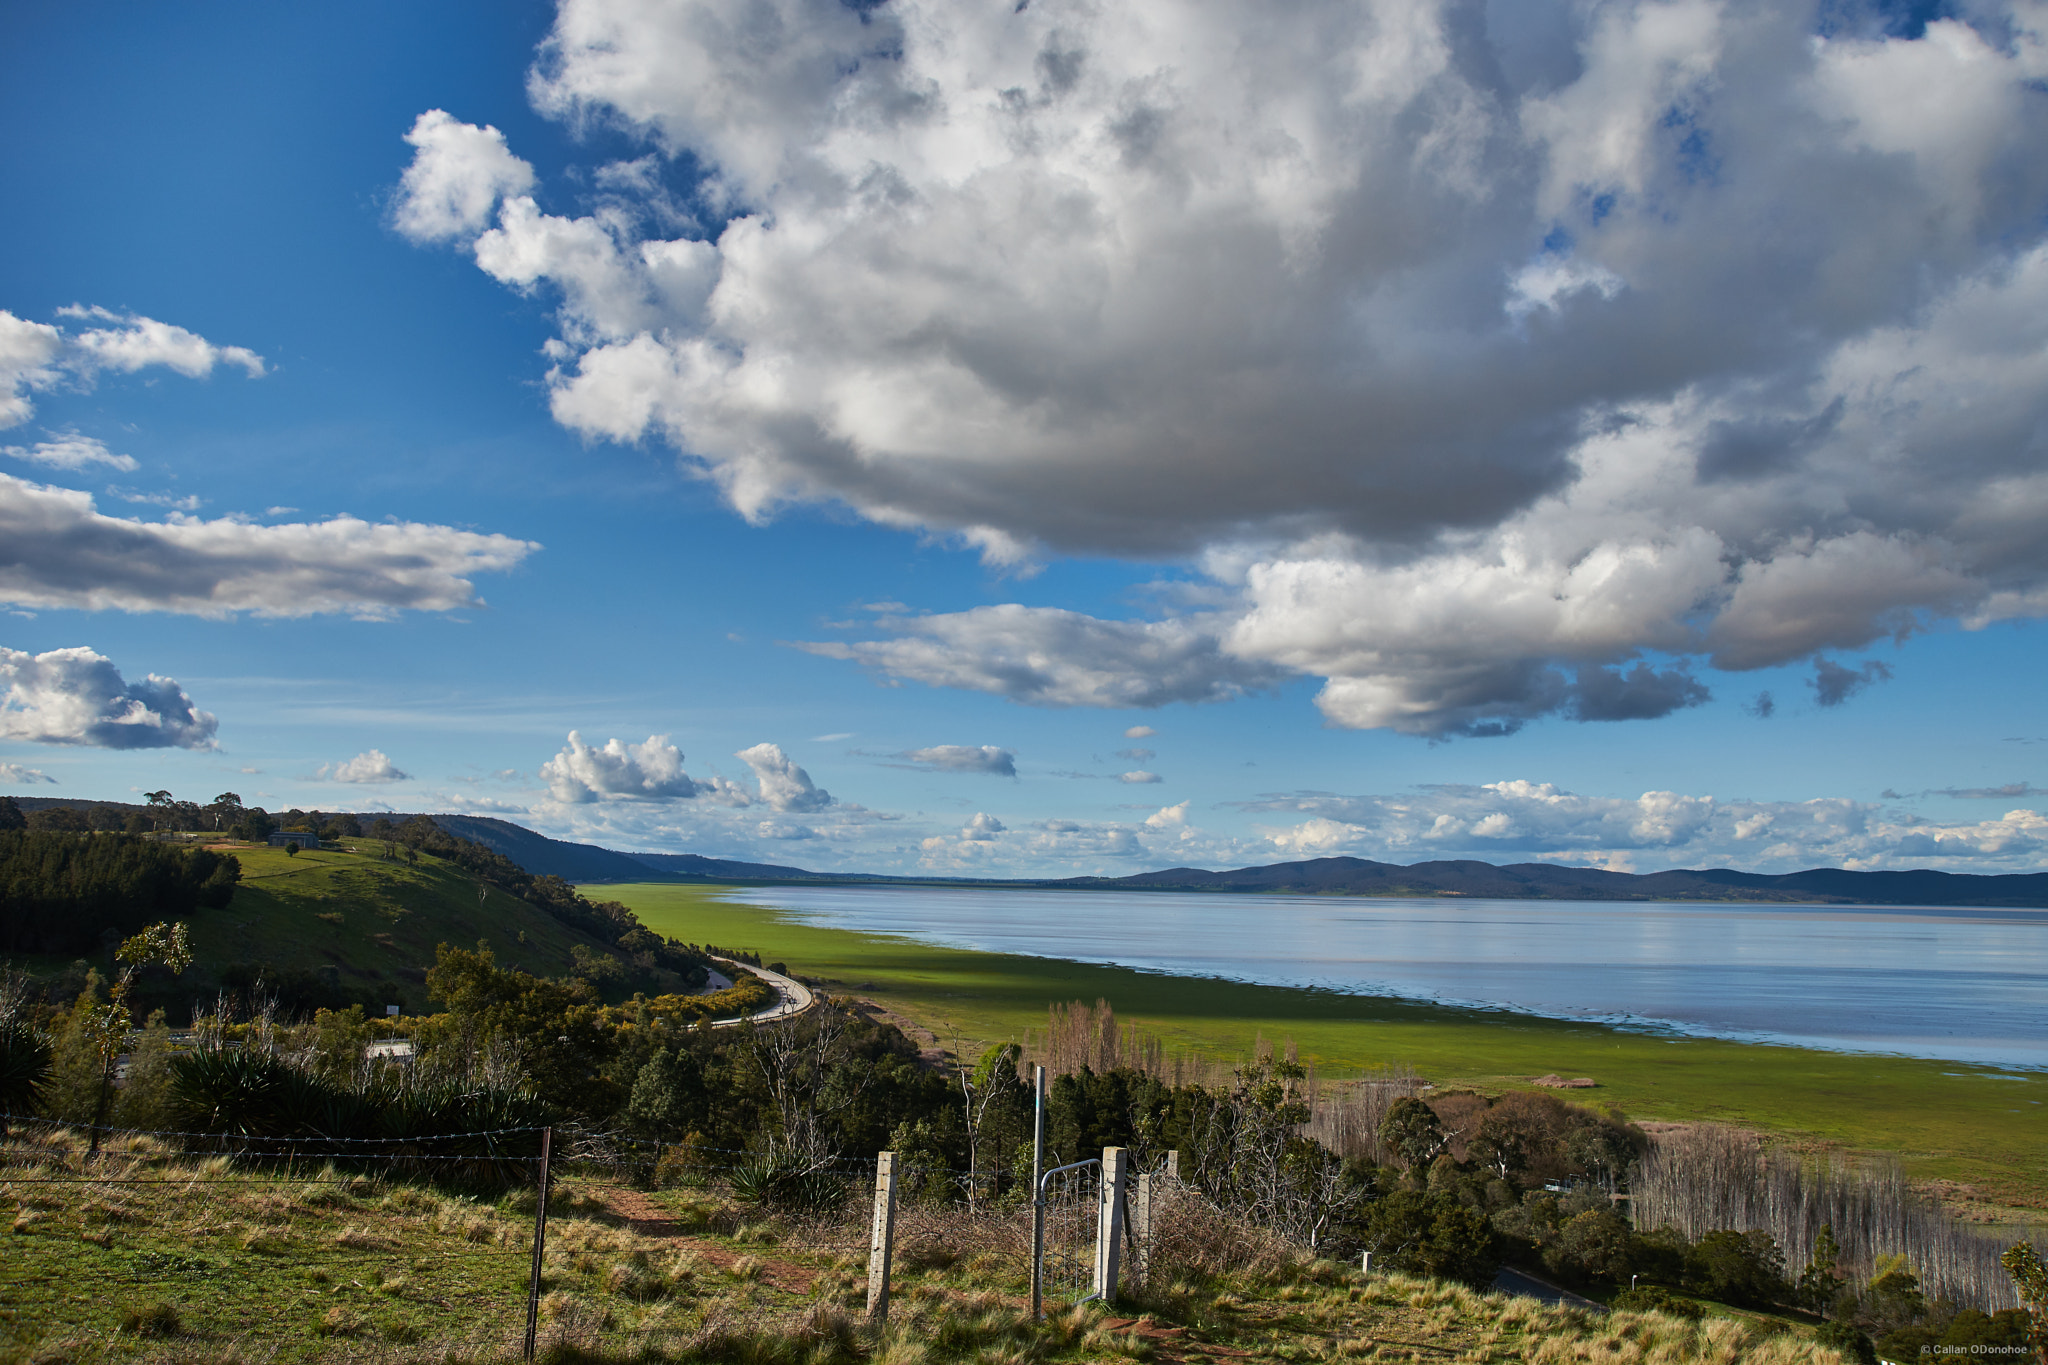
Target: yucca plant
[(25, 1061), (786, 1182)]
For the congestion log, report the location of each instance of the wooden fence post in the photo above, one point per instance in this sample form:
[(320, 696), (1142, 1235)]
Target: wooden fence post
[(540, 1243), (1109, 1222), (882, 1238)]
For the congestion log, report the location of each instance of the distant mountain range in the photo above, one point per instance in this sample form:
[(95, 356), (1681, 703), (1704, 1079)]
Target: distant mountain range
[(541, 856), (1322, 876)]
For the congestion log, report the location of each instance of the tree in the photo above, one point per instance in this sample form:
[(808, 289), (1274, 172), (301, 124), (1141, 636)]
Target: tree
[(10, 814), (1412, 1131), (991, 1090), (2030, 1282), (1820, 1283), (226, 810), (1432, 1234), (106, 1026), (1742, 1268), (1596, 1245)]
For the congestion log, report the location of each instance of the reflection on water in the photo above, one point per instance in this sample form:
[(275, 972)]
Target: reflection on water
[(1966, 984)]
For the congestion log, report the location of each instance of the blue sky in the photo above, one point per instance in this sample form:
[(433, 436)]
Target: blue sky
[(1441, 440)]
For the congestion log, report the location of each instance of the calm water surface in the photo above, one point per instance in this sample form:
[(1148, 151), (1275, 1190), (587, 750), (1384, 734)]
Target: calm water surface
[(1971, 985)]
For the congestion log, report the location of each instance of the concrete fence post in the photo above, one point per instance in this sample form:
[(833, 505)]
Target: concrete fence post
[(1109, 1222), (1173, 1165), (882, 1237)]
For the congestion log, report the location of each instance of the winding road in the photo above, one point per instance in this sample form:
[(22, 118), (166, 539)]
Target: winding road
[(792, 997)]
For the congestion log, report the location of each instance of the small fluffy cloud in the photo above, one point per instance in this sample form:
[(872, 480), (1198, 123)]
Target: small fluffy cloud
[(458, 173), (975, 847), (1168, 817), (369, 766), (1495, 365), (482, 805), (69, 450), (1043, 656), (77, 696), (965, 758), (651, 770), (1140, 732), (15, 775), (784, 786), (57, 550), (1138, 778)]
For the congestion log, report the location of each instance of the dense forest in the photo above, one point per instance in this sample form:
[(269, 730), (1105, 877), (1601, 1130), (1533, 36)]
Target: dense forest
[(70, 893)]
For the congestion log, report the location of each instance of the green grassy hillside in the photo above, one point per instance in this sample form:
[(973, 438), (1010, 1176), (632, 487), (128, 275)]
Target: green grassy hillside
[(355, 924)]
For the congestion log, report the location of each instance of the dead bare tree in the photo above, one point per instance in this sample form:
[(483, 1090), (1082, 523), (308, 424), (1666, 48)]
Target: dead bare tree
[(797, 1060)]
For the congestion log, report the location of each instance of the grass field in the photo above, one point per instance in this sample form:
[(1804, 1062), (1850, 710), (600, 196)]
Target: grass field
[(1947, 1121), (365, 924), (146, 1255)]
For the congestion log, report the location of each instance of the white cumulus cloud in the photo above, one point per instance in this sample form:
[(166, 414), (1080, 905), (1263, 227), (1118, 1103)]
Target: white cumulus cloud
[(457, 175), (651, 770), (372, 765), (1493, 363), (58, 550), (15, 775), (78, 696), (784, 786), (1168, 817)]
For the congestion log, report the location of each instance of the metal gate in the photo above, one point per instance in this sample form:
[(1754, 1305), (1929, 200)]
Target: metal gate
[(1067, 1218)]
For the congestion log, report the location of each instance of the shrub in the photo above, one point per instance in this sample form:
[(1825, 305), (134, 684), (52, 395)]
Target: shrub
[(158, 1319), (786, 1182), (1737, 1267), (1652, 1298), (1851, 1341)]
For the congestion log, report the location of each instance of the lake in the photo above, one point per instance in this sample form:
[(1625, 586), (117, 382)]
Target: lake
[(1969, 985)]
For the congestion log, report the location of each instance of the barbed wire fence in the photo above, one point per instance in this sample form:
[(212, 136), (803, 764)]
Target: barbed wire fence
[(637, 1246)]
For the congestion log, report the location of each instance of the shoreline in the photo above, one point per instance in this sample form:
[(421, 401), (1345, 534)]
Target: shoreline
[(1977, 1132)]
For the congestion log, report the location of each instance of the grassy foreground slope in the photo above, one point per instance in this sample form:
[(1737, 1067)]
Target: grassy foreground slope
[(148, 1256), (1946, 1120)]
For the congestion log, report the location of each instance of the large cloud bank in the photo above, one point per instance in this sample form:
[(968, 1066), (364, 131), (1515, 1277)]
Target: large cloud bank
[(1494, 361), (1516, 821), (78, 696)]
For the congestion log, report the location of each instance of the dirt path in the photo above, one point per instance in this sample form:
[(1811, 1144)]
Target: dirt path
[(645, 1218)]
